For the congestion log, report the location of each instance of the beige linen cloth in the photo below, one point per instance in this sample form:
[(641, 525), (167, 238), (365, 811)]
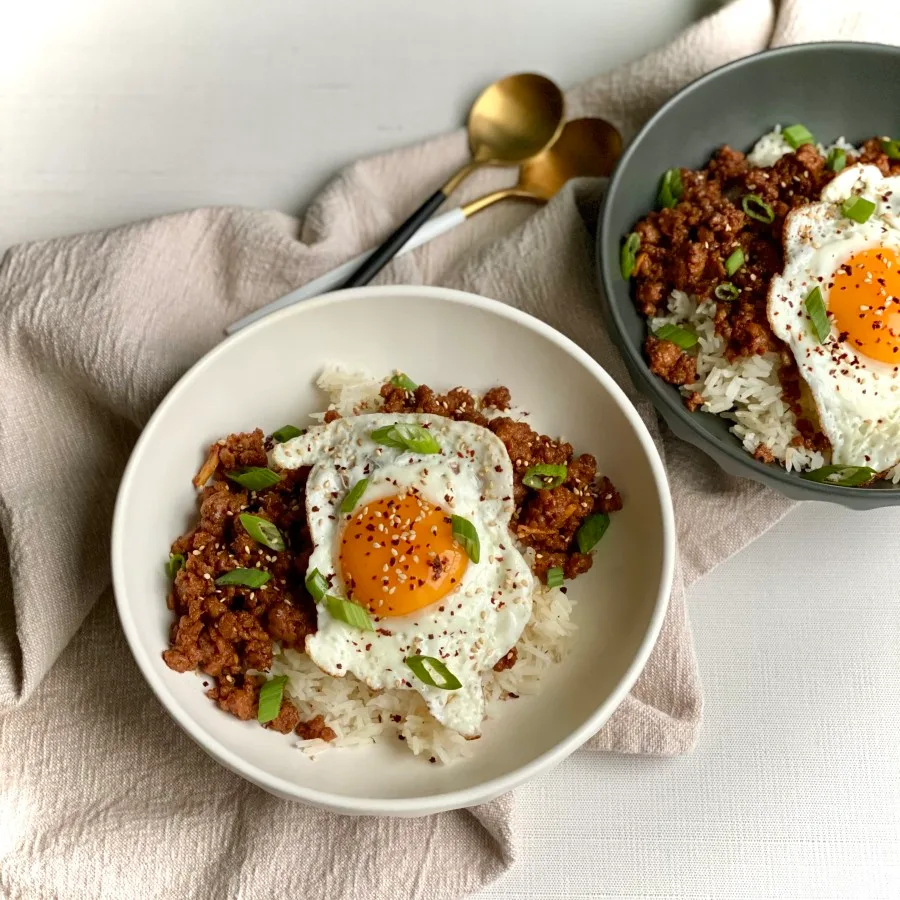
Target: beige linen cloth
[(101, 795)]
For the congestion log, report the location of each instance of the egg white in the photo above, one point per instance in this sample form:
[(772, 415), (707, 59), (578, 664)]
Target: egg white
[(857, 398), (472, 627)]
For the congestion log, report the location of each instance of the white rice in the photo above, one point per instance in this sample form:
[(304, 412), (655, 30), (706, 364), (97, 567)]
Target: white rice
[(746, 391), (349, 390), (361, 716)]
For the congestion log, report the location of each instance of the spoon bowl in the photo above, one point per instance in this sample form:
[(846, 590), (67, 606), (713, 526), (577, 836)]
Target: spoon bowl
[(514, 119), (586, 148)]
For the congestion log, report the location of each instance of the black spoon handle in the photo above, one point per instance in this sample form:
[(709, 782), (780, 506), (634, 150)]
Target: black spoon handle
[(379, 258)]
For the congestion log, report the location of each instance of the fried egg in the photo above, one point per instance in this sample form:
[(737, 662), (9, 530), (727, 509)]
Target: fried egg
[(854, 374), (395, 555)]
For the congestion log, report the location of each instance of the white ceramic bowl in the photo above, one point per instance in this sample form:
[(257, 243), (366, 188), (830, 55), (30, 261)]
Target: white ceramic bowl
[(442, 338)]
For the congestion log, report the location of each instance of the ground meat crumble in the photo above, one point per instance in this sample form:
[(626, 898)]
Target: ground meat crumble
[(228, 632), (685, 248)]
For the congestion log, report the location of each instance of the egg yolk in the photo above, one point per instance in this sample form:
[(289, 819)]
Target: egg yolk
[(398, 555), (864, 298)]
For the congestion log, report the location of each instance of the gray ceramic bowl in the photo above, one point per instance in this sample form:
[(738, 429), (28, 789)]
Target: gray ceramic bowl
[(834, 89)]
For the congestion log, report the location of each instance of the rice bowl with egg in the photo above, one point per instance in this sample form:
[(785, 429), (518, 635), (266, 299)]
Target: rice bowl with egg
[(712, 323)]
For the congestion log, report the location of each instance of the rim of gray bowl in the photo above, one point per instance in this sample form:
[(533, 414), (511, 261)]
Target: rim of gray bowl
[(728, 454)]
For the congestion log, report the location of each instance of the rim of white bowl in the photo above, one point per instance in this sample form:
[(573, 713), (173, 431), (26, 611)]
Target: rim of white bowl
[(429, 803)]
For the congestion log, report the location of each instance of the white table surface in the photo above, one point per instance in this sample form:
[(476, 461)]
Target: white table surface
[(113, 111)]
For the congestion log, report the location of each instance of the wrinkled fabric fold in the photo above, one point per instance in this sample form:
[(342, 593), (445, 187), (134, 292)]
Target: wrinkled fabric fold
[(101, 793)]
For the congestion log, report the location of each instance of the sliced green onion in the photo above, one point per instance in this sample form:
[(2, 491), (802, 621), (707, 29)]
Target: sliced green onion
[(387, 436), (348, 504), (286, 433), (836, 160), (815, 307), (554, 577), (407, 436), (174, 563), (262, 531), (316, 585), (427, 667), (349, 612), (757, 208), (270, 696), (629, 254), (592, 529), (891, 148), (727, 291), (252, 578), (670, 188), (679, 336), (858, 208), (797, 136), (417, 438), (464, 533), (254, 478), (843, 476), (734, 262), (544, 477), (403, 381)]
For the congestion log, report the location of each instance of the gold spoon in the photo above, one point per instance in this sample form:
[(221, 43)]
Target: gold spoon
[(512, 120), (587, 148)]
